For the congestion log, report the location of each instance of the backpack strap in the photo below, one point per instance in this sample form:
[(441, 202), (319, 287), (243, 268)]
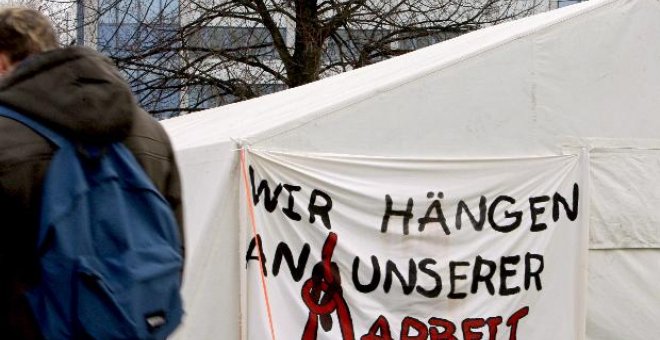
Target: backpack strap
[(37, 127)]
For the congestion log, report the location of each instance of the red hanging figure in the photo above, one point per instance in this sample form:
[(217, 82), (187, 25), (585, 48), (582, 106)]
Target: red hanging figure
[(323, 295)]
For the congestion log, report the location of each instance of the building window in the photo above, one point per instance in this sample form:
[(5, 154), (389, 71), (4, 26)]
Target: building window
[(350, 44), (249, 41), (413, 43), (564, 3)]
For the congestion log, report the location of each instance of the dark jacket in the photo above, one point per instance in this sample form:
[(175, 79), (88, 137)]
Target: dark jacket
[(79, 93)]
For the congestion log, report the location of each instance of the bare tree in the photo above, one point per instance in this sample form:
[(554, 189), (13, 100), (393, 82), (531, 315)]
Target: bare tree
[(188, 55), (58, 11)]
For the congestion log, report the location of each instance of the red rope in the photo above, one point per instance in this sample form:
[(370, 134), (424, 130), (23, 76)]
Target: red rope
[(259, 247)]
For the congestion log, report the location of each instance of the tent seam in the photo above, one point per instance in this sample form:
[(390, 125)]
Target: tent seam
[(457, 61)]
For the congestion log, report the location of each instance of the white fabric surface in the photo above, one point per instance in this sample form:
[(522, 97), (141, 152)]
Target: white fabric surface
[(522, 89)]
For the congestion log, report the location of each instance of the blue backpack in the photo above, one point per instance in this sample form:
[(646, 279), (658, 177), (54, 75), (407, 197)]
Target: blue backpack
[(109, 250)]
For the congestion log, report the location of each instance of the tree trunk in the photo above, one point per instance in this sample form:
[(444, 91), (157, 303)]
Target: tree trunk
[(308, 47)]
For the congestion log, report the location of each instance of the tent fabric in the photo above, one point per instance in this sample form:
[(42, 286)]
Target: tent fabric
[(622, 299), (625, 197), (584, 76)]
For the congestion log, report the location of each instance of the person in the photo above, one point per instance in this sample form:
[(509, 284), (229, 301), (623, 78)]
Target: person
[(78, 93)]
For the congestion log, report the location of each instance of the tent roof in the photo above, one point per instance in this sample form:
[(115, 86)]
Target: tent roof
[(529, 78)]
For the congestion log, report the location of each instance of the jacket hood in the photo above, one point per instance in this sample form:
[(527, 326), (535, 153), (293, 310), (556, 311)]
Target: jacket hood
[(73, 90)]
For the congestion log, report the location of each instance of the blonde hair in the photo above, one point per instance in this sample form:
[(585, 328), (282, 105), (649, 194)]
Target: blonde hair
[(24, 31)]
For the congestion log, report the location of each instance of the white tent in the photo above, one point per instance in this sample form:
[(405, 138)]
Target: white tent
[(585, 76)]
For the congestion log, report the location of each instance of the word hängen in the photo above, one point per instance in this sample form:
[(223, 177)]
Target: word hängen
[(435, 213)]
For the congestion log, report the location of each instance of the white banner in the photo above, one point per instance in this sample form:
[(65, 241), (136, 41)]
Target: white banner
[(347, 247)]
